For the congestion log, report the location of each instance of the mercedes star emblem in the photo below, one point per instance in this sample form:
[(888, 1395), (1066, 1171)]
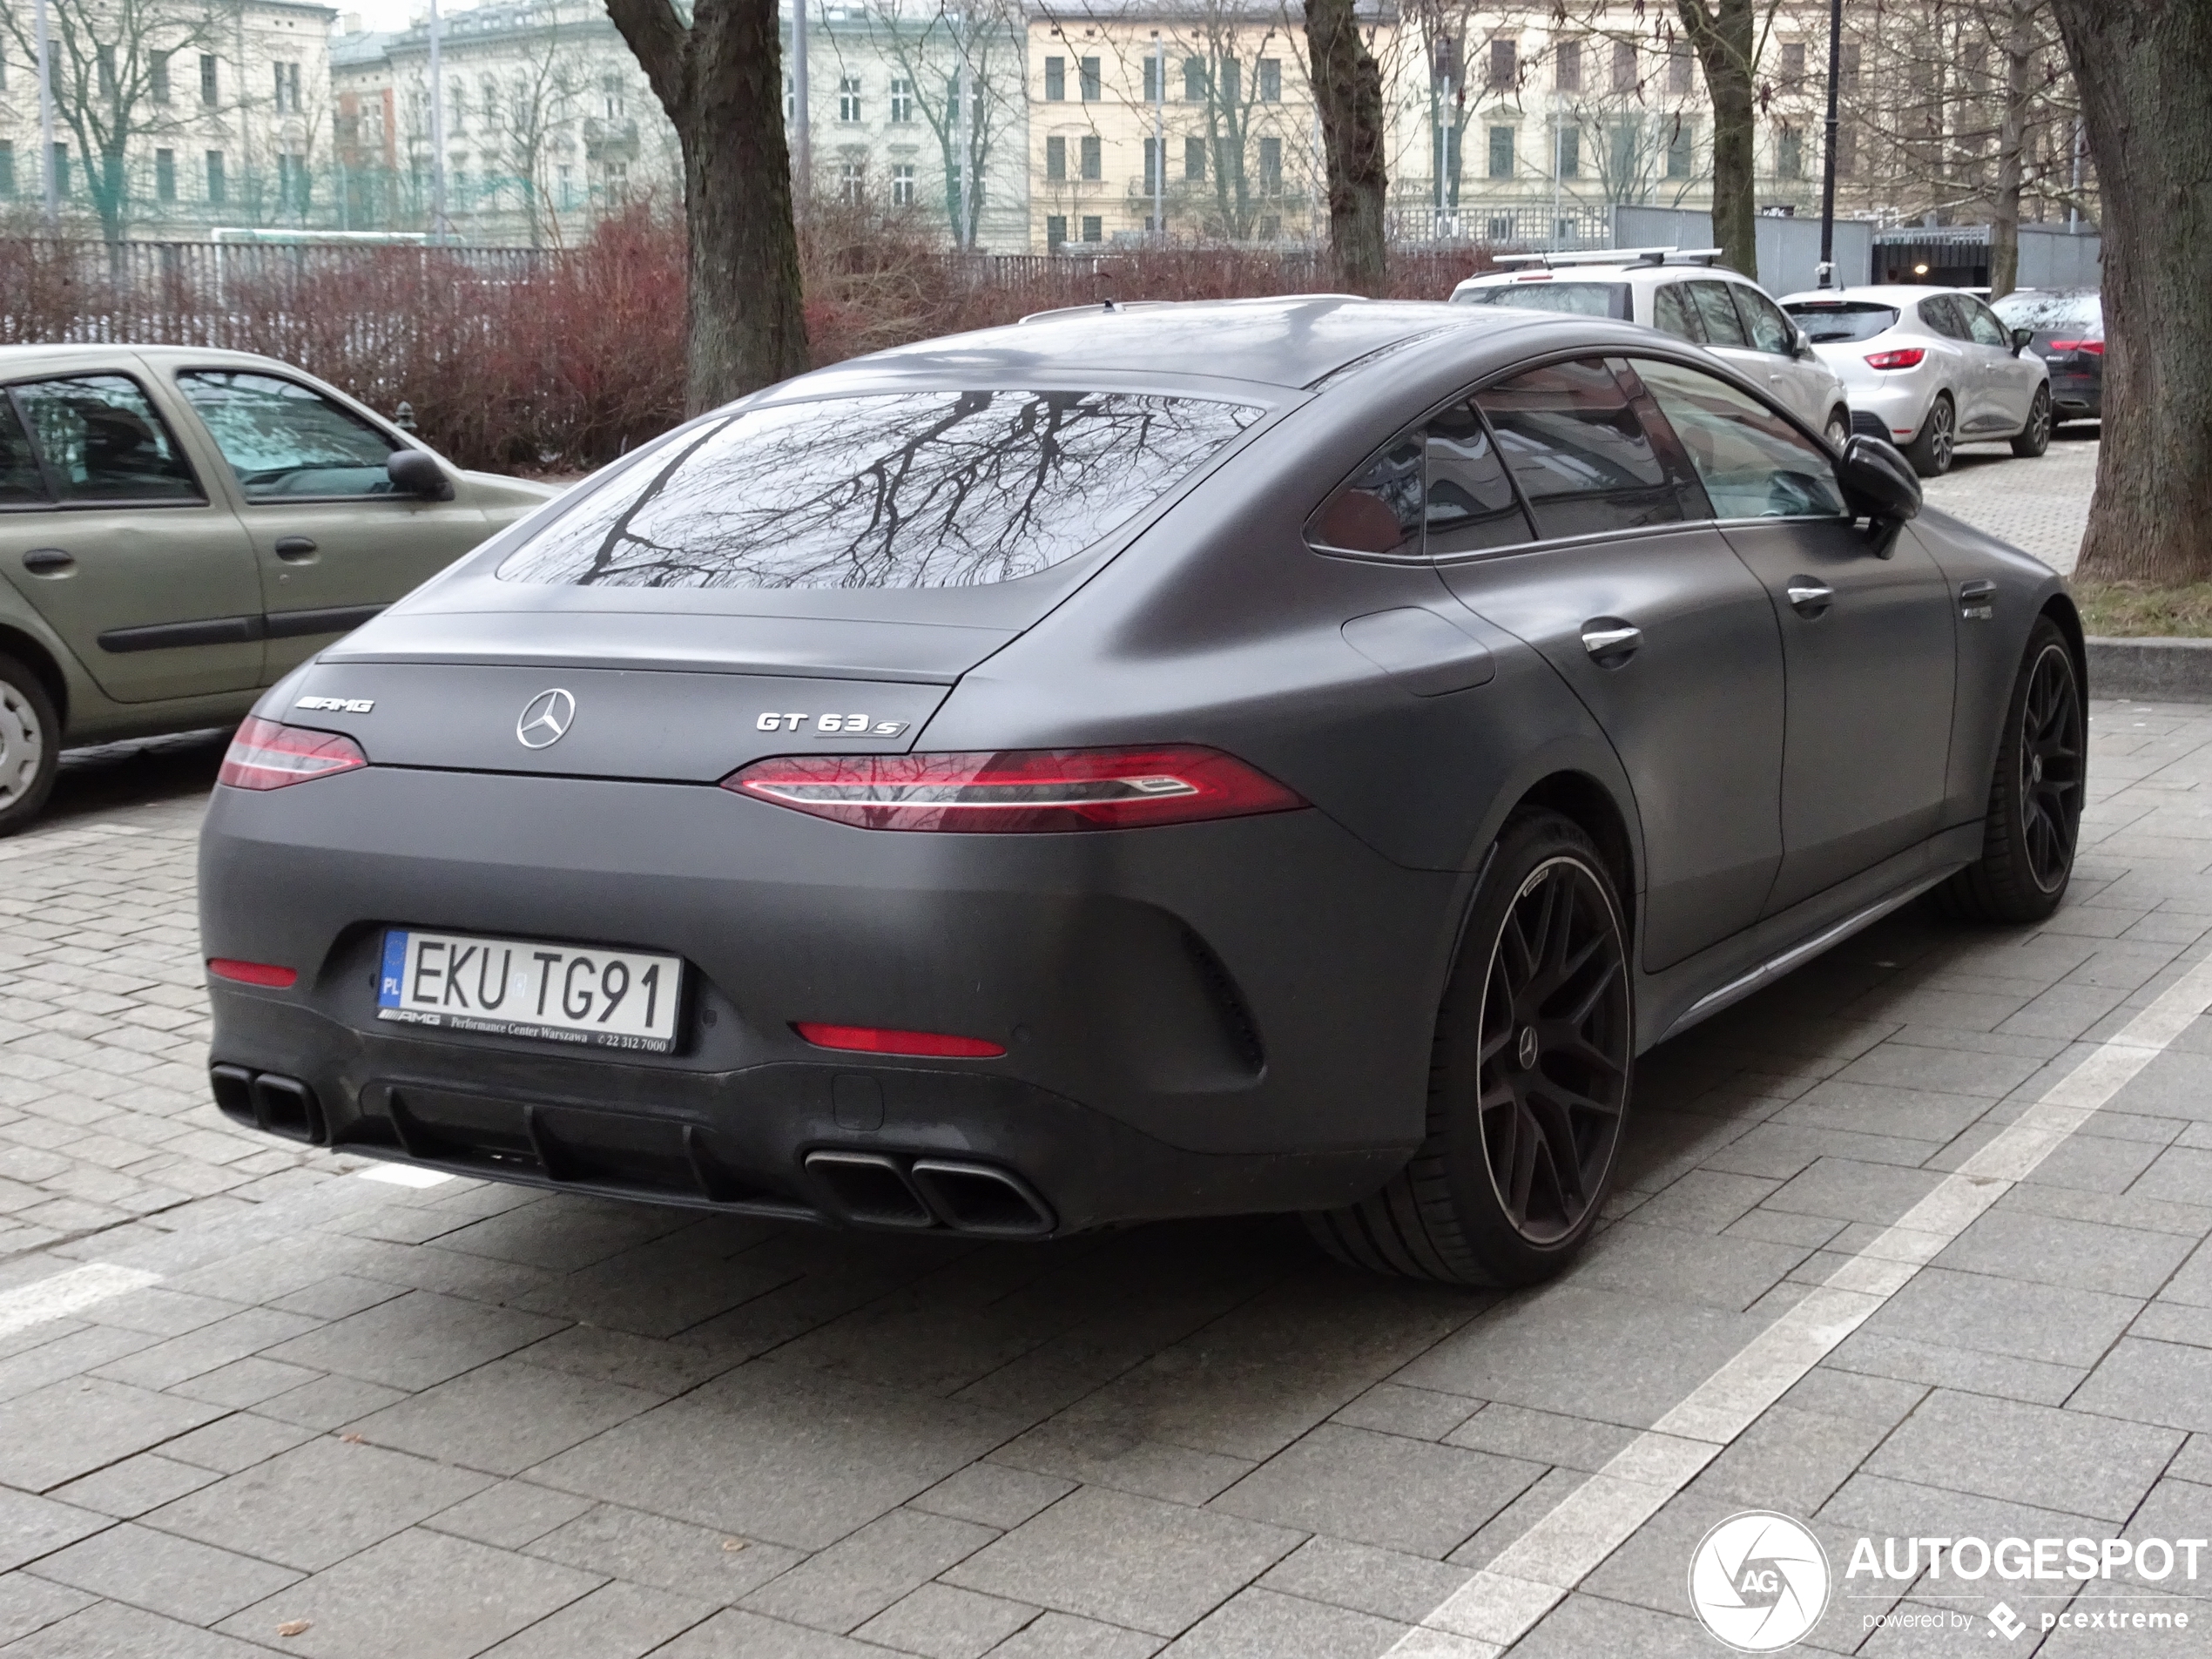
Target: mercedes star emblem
[(546, 719)]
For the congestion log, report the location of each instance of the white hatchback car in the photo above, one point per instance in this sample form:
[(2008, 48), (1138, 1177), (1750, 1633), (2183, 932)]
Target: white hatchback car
[(1687, 295), (1929, 369)]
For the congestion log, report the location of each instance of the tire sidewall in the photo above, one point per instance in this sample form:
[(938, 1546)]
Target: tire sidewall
[(18, 813)]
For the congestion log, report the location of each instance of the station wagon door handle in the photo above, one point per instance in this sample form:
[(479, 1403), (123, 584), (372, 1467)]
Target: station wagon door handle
[(294, 547), (49, 560), (1810, 598), (1609, 641)]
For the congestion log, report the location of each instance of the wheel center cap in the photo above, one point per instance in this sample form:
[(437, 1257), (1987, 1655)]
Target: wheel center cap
[(1525, 1050), (2035, 769)]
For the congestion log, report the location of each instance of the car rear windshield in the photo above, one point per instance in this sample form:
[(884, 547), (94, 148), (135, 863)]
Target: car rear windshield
[(2049, 312), (1539, 294), (909, 489), (1827, 322)]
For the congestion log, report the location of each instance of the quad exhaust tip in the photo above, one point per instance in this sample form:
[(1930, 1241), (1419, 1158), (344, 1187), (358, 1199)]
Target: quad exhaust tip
[(877, 1190)]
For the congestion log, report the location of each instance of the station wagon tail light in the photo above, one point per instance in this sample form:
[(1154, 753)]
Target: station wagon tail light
[(1908, 357), (2097, 346), (1017, 790), (265, 755)]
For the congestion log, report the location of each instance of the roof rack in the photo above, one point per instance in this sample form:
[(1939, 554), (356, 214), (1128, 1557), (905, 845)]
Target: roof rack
[(1616, 256)]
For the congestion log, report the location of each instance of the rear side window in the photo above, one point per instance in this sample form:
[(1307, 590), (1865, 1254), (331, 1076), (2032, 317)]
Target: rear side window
[(1763, 320), (910, 489), (1836, 324), (102, 441), (1753, 463), (1673, 311), (1941, 314), (19, 479), (1470, 507), (1578, 450), (1578, 299)]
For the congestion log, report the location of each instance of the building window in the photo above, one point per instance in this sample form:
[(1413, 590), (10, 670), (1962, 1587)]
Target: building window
[(288, 88), (1094, 84), (1270, 228), (1094, 161), (1152, 92), (1790, 154), (848, 98), (902, 184), (456, 111), (1846, 150), (1232, 83), (1151, 165), (1270, 80), (1682, 151), (1848, 70), (217, 195), (1566, 68), (1505, 66), (1501, 153), (852, 179), (565, 183), (7, 169), (1501, 227), (61, 170), (104, 58), (1055, 229), (902, 103), (208, 90), (488, 101), (1194, 80), (1056, 160), (1093, 228), (1055, 79), (1628, 150), (1679, 64), (165, 175), (611, 97), (157, 77), (1194, 159), (1793, 62), (1570, 152), (292, 183), (1271, 167), (1624, 66)]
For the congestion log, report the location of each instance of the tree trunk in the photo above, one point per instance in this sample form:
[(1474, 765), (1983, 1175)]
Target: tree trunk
[(2005, 220), (1724, 37), (721, 82), (1347, 87), (2142, 70)]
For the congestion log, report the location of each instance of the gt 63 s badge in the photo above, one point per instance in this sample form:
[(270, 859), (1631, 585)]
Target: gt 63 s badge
[(831, 724)]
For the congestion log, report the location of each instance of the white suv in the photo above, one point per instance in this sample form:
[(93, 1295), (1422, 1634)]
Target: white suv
[(1687, 295)]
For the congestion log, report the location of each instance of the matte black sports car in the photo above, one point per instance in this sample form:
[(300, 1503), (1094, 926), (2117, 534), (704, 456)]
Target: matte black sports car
[(1287, 754)]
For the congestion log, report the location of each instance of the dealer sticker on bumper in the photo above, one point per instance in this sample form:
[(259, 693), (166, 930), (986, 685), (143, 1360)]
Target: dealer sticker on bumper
[(513, 987)]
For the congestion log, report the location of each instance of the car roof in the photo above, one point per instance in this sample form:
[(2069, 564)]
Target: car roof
[(1628, 270), (1288, 341), (1888, 293), (16, 360)]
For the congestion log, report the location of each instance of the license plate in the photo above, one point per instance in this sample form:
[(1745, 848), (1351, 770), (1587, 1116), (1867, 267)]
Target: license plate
[(515, 987)]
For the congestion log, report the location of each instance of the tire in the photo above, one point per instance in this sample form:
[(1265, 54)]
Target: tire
[(1837, 431), (2035, 437), (1538, 1019), (1930, 450), (2034, 822), (31, 746)]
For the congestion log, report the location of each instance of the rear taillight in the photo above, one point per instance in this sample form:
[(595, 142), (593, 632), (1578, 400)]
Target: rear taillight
[(1026, 790), (265, 755), (2094, 348), (871, 1039), (1906, 357)]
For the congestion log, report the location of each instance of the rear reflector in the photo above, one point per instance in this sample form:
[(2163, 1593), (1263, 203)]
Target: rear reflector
[(868, 1039), (2094, 347), (1031, 790), (266, 973), (1907, 358), (265, 755)]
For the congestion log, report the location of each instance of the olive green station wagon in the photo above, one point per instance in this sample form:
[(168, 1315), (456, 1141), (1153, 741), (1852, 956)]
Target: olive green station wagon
[(179, 528)]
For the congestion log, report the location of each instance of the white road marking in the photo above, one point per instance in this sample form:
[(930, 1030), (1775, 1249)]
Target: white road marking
[(1502, 1604), (59, 1295), (404, 1175)]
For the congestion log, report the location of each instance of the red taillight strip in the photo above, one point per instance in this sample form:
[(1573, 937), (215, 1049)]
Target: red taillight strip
[(869, 1038), (2096, 346), (1906, 357), (268, 973), (265, 755)]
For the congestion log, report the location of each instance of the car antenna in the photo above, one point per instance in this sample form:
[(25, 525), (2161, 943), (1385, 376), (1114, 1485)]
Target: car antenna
[(1109, 307)]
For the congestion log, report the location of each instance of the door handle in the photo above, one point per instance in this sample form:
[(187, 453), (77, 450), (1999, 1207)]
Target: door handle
[(1610, 641), (49, 560), (294, 547), (1810, 598)]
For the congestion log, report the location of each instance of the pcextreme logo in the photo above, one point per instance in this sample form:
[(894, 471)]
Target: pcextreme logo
[(1759, 1582)]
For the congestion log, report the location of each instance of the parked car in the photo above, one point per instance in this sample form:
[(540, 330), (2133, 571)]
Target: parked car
[(1929, 369), (1192, 759), (2067, 330), (1688, 296), (180, 528)]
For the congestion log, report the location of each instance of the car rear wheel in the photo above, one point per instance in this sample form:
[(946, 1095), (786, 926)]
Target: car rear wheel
[(2035, 437), (1838, 430), (1528, 1079), (29, 746), (2035, 798), (1931, 452)]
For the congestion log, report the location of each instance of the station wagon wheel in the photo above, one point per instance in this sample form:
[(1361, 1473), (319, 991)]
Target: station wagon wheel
[(2036, 797), (29, 746), (1838, 430), (1529, 1079), (1931, 452)]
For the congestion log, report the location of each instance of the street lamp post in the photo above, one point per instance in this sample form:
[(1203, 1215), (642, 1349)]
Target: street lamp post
[(1827, 271), (52, 179), (801, 126), (1159, 138), (438, 226)]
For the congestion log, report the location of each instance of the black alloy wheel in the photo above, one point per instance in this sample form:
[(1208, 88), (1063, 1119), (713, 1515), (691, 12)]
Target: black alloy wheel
[(2035, 437), (2035, 799), (1931, 451), (1529, 1080)]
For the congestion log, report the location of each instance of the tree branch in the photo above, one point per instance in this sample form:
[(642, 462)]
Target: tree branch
[(656, 37)]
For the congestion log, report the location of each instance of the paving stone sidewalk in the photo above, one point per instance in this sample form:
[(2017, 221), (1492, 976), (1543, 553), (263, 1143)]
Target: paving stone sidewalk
[(354, 1420), (2040, 505)]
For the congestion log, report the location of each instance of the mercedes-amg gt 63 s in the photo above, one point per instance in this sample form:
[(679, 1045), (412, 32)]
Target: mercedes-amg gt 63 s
[(1164, 761)]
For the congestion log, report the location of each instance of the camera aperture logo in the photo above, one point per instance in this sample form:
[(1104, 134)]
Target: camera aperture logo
[(1759, 1582)]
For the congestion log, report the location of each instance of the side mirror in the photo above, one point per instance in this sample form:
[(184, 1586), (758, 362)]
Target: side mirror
[(416, 472), (2022, 339), (1802, 346), (1879, 482)]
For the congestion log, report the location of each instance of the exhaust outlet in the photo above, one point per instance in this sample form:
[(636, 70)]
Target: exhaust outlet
[(978, 1199), (869, 1190)]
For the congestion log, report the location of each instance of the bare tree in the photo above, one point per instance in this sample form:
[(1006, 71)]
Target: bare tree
[(1348, 91), (1730, 37), (543, 94), (975, 50)]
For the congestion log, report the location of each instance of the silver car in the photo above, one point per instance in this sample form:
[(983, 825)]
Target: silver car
[(1929, 369)]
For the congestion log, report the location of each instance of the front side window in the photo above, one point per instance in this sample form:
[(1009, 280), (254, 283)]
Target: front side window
[(1753, 463), (1717, 312), (912, 490), (102, 441), (286, 442), (1579, 451), (20, 482), (1986, 330)]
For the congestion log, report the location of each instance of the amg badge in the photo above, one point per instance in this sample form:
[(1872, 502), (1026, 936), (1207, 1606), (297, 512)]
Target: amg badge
[(337, 704)]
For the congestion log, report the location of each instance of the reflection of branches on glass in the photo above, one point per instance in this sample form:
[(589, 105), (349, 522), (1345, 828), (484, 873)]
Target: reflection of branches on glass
[(920, 489)]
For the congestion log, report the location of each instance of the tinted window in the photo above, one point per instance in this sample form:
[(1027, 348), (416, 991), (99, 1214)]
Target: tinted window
[(1379, 511), (1753, 463), (1470, 507), (1833, 322), (2071, 312), (102, 441), (20, 478), (1763, 320), (1942, 315), (1718, 313), (915, 490), (283, 440), (1581, 298), (1578, 451), (1675, 312), (1983, 326)]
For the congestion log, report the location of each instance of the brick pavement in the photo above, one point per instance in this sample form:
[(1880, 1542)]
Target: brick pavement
[(2040, 505)]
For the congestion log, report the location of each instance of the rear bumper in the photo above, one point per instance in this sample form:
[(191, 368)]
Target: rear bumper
[(1206, 1019), (1899, 403)]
